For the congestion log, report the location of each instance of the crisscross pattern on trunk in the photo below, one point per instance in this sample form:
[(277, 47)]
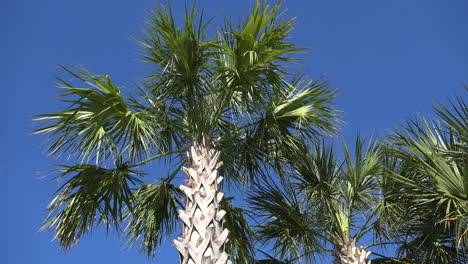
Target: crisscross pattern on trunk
[(204, 238)]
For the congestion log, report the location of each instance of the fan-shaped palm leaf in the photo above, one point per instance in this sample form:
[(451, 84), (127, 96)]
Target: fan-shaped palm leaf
[(154, 214), (285, 222), (98, 121), (89, 196), (240, 245), (430, 186)]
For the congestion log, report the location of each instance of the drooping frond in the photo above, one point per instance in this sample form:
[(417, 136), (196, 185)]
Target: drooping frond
[(240, 245), (154, 215), (89, 196)]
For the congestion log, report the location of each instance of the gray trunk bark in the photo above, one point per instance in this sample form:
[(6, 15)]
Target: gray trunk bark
[(204, 238), (350, 254)]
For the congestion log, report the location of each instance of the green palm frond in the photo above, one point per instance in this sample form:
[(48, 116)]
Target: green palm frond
[(285, 222), (154, 215), (455, 118), (166, 119), (179, 53), (252, 54), (317, 174), (429, 186), (89, 196), (339, 191), (362, 173), (270, 260), (244, 157), (304, 106), (240, 245), (431, 248), (98, 123)]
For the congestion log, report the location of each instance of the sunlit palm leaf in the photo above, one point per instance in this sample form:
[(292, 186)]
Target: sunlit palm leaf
[(98, 121), (250, 55), (179, 53), (305, 106)]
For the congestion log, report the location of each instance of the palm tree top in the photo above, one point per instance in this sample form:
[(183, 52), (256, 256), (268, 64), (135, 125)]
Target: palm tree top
[(234, 89)]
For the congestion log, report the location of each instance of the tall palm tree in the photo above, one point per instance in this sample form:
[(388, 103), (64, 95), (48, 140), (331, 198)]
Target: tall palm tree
[(322, 202), (221, 106), (426, 189)]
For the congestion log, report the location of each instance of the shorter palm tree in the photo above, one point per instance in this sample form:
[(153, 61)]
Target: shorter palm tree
[(426, 187), (322, 202)]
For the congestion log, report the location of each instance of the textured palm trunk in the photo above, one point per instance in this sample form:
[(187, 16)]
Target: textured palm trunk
[(204, 238), (350, 254)]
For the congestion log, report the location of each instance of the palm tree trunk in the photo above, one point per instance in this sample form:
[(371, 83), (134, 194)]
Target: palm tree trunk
[(350, 254), (204, 238)]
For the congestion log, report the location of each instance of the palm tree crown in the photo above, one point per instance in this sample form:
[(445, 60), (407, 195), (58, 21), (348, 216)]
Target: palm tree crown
[(322, 202), (426, 188), (229, 99)]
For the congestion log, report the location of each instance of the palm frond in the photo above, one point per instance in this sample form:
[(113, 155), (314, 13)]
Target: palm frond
[(154, 215), (89, 196), (98, 123), (251, 55), (179, 54), (455, 118), (429, 186), (317, 174), (305, 106), (285, 222), (362, 173), (240, 246)]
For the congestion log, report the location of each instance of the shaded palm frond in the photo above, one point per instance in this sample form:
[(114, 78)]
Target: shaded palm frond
[(154, 215), (240, 246), (90, 196), (317, 175), (285, 223)]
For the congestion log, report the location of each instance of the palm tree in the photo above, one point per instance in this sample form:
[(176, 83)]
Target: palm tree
[(321, 202), (426, 189), (222, 106)]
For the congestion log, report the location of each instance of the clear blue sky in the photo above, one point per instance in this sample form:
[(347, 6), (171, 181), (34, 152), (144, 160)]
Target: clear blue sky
[(389, 60)]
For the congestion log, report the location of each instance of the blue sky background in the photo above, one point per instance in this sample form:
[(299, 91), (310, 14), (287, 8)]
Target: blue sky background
[(388, 60)]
